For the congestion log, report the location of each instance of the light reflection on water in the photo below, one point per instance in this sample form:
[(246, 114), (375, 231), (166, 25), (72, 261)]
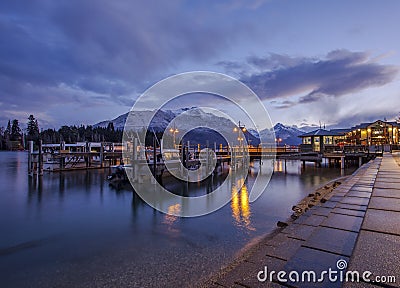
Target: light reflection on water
[(73, 229), (240, 206)]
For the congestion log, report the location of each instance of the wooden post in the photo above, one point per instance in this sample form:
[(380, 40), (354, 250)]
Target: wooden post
[(342, 159), (154, 157), (62, 159), (135, 166), (285, 166), (101, 154), (360, 161), (87, 154), (30, 163), (40, 158)]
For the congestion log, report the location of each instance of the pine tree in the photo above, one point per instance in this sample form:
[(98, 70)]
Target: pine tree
[(15, 131), (7, 132), (33, 129)]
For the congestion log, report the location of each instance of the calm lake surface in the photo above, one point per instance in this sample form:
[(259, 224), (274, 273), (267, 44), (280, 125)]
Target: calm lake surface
[(73, 229)]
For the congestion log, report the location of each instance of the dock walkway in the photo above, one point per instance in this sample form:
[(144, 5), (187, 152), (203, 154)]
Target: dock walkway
[(358, 227)]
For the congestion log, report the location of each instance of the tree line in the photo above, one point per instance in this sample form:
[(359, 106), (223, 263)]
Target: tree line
[(14, 138)]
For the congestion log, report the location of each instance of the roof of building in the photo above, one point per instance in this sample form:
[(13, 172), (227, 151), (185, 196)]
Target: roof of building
[(365, 125), (321, 132), (341, 131)]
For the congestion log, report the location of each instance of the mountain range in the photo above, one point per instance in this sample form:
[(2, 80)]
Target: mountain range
[(288, 135)]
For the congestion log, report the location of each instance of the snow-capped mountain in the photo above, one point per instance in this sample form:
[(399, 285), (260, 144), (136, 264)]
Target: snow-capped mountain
[(289, 135), (192, 117), (187, 119)]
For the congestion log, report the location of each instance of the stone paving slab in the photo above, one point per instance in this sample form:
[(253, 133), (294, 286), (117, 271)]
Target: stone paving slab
[(307, 259), (352, 207), (344, 222), (322, 239), (313, 220), (383, 203), (286, 249), (387, 185), (362, 188), (354, 193), (382, 221), (390, 179), (246, 271), (355, 201), (329, 204), (348, 212), (299, 231), (322, 211), (336, 198), (358, 285), (390, 193), (378, 253)]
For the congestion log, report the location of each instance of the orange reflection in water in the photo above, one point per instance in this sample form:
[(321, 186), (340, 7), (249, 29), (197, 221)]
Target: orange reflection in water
[(170, 218), (278, 166), (241, 212)]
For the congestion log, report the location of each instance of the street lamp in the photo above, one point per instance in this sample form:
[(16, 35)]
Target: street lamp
[(240, 128), (174, 131)]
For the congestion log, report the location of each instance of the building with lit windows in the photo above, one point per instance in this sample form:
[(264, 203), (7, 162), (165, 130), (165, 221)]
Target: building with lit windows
[(318, 140), (375, 133)]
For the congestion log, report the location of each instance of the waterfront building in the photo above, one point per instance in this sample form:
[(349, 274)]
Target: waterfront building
[(318, 140), (375, 133)]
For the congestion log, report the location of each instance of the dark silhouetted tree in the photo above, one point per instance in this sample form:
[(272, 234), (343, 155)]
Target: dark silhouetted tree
[(33, 129), (15, 131)]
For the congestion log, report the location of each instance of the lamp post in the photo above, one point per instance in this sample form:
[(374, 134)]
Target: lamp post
[(174, 131), (238, 129)]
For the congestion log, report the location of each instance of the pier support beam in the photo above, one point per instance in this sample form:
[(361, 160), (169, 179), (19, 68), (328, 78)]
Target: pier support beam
[(342, 162), (30, 162), (101, 154), (360, 161), (40, 158)]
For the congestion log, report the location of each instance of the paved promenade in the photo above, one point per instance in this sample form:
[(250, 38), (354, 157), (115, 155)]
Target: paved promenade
[(359, 223)]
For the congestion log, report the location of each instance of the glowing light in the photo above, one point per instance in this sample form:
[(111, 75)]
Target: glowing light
[(235, 205), (240, 205), (170, 219)]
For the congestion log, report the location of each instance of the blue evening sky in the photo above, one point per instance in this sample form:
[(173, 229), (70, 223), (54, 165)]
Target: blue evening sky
[(81, 62)]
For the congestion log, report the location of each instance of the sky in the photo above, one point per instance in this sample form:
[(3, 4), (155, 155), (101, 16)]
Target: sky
[(310, 62)]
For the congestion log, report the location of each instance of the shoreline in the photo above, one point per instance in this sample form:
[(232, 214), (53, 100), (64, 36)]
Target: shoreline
[(319, 195)]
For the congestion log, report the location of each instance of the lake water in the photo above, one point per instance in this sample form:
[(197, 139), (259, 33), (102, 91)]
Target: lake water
[(72, 229)]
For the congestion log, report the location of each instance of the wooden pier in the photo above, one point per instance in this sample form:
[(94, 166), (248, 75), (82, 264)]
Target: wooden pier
[(89, 155), (66, 157)]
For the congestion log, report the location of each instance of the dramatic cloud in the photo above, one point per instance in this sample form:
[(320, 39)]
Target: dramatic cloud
[(340, 72), (97, 50), (76, 62)]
